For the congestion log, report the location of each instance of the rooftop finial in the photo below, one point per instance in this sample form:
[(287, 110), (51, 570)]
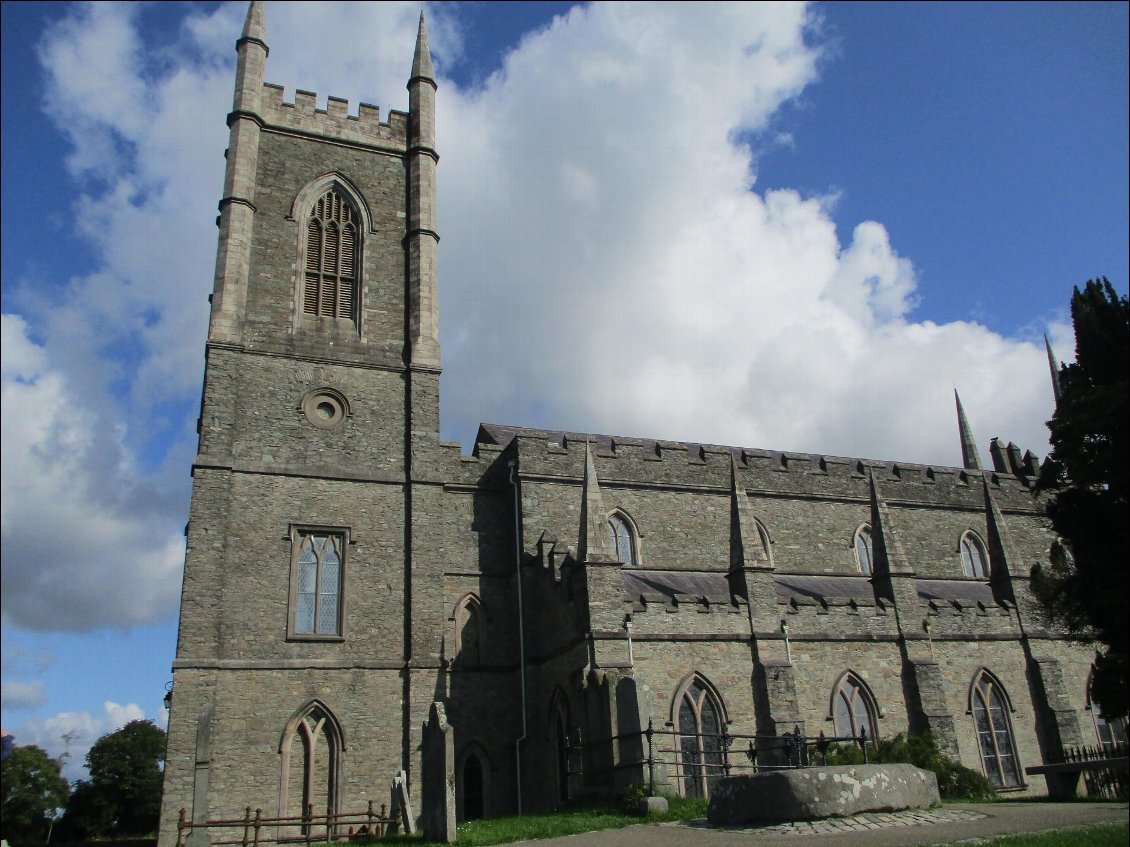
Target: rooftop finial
[(1054, 369), (970, 460), (422, 58)]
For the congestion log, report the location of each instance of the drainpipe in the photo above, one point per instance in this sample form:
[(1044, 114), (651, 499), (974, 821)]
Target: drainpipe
[(521, 634)]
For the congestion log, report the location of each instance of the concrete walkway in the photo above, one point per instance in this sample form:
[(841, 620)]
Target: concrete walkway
[(965, 822)]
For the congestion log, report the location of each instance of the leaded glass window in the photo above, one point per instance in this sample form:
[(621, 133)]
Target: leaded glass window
[(853, 708), (994, 733), (330, 288), (974, 559), (318, 580), (863, 553), (700, 739), (622, 540)]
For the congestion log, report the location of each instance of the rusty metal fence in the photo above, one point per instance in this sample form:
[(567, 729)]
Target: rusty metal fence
[(254, 828)]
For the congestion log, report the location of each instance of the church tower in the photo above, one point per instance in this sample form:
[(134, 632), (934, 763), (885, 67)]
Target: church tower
[(318, 434)]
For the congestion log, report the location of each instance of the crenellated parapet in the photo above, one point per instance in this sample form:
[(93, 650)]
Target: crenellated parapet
[(621, 461), (335, 121)]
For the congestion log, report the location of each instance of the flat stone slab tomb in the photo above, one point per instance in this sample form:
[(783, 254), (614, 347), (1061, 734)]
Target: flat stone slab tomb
[(830, 792)]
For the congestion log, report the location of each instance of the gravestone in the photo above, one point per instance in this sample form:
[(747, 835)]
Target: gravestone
[(437, 774)]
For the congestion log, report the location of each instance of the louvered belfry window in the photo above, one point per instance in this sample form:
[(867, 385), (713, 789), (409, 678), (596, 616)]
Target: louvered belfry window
[(331, 258)]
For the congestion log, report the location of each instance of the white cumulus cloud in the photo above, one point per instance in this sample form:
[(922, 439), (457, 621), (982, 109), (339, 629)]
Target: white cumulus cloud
[(608, 264)]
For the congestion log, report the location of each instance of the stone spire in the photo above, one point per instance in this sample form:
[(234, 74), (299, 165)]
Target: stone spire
[(595, 544), (1054, 367), (421, 238), (237, 208), (422, 58), (970, 459)]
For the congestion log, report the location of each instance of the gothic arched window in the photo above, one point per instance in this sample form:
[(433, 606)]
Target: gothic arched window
[(623, 539), (853, 708), (974, 558), (863, 551), (332, 258), (468, 631), (311, 764), (700, 721), (319, 558), (989, 705)]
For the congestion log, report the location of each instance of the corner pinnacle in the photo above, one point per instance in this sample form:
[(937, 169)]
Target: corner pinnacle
[(422, 58), (253, 26), (970, 459), (1054, 369)]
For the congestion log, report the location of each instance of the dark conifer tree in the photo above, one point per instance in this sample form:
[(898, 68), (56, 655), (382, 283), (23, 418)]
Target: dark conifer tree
[(1085, 587)]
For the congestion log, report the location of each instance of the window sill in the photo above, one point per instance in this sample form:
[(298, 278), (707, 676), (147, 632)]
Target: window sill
[(301, 637)]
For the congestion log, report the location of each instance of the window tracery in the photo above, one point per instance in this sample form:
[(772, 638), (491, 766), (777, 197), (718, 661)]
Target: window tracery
[(700, 720), (853, 708), (989, 705), (332, 257), (623, 539)]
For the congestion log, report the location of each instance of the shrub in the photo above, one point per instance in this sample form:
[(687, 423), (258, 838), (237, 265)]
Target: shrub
[(955, 781)]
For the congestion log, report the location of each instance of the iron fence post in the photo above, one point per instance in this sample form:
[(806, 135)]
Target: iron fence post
[(258, 824), (650, 757)]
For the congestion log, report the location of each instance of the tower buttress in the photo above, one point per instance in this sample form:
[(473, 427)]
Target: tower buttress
[(237, 207), (970, 459), (421, 238)]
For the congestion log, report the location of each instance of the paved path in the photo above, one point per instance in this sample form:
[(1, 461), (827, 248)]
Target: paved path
[(970, 823)]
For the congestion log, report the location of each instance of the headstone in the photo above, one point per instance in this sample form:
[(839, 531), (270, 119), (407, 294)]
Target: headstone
[(402, 816), (437, 808)]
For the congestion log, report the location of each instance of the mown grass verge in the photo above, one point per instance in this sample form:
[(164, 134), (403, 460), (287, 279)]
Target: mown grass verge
[(1100, 835)]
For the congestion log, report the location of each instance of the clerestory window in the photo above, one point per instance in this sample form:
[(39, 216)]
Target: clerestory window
[(332, 258), (623, 539), (974, 559), (316, 583), (863, 550)]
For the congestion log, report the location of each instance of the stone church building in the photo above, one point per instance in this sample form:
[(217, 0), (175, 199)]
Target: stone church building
[(346, 568)]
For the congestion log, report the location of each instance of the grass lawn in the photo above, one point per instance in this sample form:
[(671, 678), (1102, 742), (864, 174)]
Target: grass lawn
[(1103, 835), (571, 822)]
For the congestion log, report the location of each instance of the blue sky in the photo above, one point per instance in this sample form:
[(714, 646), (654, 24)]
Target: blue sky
[(791, 227)]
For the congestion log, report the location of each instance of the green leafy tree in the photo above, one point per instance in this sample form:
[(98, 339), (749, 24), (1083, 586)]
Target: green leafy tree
[(89, 814), (33, 788), (124, 791), (1085, 586)]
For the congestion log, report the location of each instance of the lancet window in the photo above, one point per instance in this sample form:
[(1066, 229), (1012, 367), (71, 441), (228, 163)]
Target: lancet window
[(319, 560), (863, 550), (994, 732), (853, 708), (311, 764), (700, 720), (974, 558), (623, 539)]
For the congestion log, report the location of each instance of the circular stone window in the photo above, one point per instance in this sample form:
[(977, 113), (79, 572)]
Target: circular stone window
[(325, 408)]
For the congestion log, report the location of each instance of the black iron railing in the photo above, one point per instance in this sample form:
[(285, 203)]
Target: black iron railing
[(696, 760)]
